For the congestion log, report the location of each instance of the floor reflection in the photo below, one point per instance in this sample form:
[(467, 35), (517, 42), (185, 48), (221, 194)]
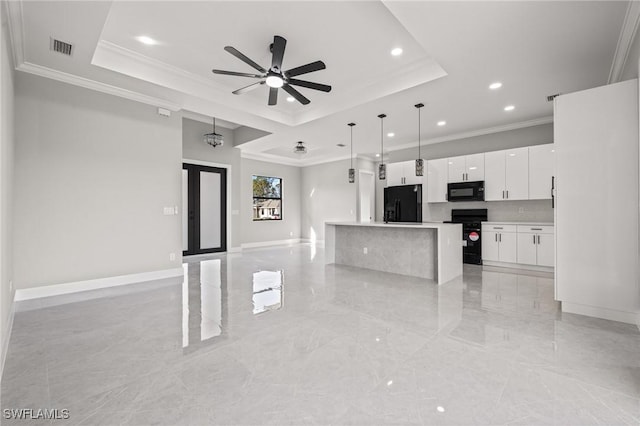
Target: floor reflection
[(267, 291), (202, 303)]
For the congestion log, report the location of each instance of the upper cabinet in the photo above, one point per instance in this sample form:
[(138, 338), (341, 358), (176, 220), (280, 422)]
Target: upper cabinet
[(466, 168), (541, 171), (437, 180), (507, 175), (403, 173)]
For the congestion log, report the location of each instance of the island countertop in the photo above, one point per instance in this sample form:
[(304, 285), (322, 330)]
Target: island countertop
[(431, 250)]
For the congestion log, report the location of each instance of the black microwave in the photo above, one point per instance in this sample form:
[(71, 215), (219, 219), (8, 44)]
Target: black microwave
[(466, 191)]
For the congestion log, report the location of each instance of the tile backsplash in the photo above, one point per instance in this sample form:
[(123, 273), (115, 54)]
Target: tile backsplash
[(508, 211)]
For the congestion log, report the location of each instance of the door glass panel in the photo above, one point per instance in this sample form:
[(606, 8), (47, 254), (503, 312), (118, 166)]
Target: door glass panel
[(210, 210), (185, 210)]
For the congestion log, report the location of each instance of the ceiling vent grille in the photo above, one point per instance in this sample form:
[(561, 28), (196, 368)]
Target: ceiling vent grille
[(61, 47)]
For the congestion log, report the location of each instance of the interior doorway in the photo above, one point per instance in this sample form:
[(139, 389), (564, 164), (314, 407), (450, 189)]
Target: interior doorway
[(204, 206), (366, 195)]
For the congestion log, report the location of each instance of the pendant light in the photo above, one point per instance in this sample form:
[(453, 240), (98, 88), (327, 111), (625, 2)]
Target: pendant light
[(382, 168), (419, 160), (300, 148), (214, 139), (352, 171)]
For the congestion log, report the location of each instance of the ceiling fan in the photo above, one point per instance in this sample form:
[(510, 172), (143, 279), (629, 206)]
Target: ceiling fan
[(275, 77)]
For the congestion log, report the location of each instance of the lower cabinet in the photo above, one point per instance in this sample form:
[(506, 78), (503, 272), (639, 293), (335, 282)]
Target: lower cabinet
[(518, 244), (499, 243)]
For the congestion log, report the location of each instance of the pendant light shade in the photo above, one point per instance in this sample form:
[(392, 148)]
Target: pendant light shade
[(352, 171), (300, 148), (382, 168), (419, 160), (214, 139)]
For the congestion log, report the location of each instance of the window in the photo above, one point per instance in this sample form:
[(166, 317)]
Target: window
[(267, 198)]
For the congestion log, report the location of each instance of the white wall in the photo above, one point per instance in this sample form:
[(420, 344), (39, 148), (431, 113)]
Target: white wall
[(93, 173), (327, 195), (270, 230), (6, 180), (194, 148), (534, 210)]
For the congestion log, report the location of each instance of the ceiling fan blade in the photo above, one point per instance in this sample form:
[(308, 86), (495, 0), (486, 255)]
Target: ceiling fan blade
[(304, 69), (273, 96), (248, 88), (279, 43), (235, 52), (297, 95), (309, 85), (237, 74)]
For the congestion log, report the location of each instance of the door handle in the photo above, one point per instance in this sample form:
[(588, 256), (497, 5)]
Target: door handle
[(503, 195), (534, 239), (500, 237), (496, 237), (553, 185), (538, 239), (507, 194)]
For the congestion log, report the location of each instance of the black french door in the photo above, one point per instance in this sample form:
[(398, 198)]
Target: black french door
[(204, 206)]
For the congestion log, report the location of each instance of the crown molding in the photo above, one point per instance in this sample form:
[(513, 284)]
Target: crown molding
[(474, 133), (15, 22), (96, 85), (270, 158), (627, 33)]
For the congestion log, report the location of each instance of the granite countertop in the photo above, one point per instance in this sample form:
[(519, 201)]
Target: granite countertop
[(518, 223), (423, 225)]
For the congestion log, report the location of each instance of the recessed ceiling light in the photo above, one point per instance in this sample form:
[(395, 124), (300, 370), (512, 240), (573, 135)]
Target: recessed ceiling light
[(496, 85), (377, 155), (390, 134), (397, 51), (509, 108), (290, 99), (442, 123), (146, 40)]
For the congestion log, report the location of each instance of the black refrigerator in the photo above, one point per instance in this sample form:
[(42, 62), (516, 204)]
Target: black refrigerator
[(403, 203)]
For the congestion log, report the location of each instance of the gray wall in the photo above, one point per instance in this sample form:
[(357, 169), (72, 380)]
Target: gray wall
[(532, 210), (6, 179), (272, 230), (194, 148), (93, 173), (631, 66), (327, 195)]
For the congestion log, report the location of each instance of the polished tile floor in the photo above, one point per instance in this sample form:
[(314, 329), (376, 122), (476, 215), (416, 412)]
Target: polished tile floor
[(274, 336)]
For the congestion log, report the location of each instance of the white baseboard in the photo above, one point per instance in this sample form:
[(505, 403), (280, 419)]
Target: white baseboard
[(78, 286), (270, 243), (5, 342), (235, 250), (598, 312)]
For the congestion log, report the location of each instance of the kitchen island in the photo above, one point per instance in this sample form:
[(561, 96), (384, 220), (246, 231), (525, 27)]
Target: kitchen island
[(426, 250)]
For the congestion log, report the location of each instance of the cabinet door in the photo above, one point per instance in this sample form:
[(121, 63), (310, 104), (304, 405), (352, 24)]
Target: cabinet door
[(494, 175), (437, 180), (546, 253), (394, 174), (541, 161), (508, 247), (527, 245), (490, 246), (409, 171), (517, 174), (474, 167), (457, 169)]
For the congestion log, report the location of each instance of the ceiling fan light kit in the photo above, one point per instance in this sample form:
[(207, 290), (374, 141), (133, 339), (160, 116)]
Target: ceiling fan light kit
[(274, 77), (300, 148)]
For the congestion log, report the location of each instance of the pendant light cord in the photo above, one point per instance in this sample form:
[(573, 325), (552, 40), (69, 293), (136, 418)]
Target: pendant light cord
[(351, 146), (419, 132)]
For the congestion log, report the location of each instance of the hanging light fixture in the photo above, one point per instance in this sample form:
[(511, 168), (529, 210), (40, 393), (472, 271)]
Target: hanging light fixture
[(419, 160), (382, 168), (300, 148), (214, 139), (352, 171)]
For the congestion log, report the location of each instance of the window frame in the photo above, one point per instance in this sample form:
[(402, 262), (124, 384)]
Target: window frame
[(254, 219)]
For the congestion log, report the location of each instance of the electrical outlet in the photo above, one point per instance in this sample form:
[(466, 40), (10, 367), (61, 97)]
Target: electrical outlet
[(521, 210), (365, 250), (172, 256), (291, 234)]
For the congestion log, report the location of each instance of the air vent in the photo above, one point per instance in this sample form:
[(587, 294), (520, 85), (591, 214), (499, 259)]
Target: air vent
[(61, 47), (550, 98)]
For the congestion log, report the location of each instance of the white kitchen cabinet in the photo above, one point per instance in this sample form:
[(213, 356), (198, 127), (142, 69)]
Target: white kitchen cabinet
[(507, 175), (437, 180), (403, 173), (541, 171), (499, 243), (466, 168), (535, 245)]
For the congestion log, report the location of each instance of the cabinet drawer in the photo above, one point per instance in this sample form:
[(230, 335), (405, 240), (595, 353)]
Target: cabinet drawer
[(500, 228), (545, 229)]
